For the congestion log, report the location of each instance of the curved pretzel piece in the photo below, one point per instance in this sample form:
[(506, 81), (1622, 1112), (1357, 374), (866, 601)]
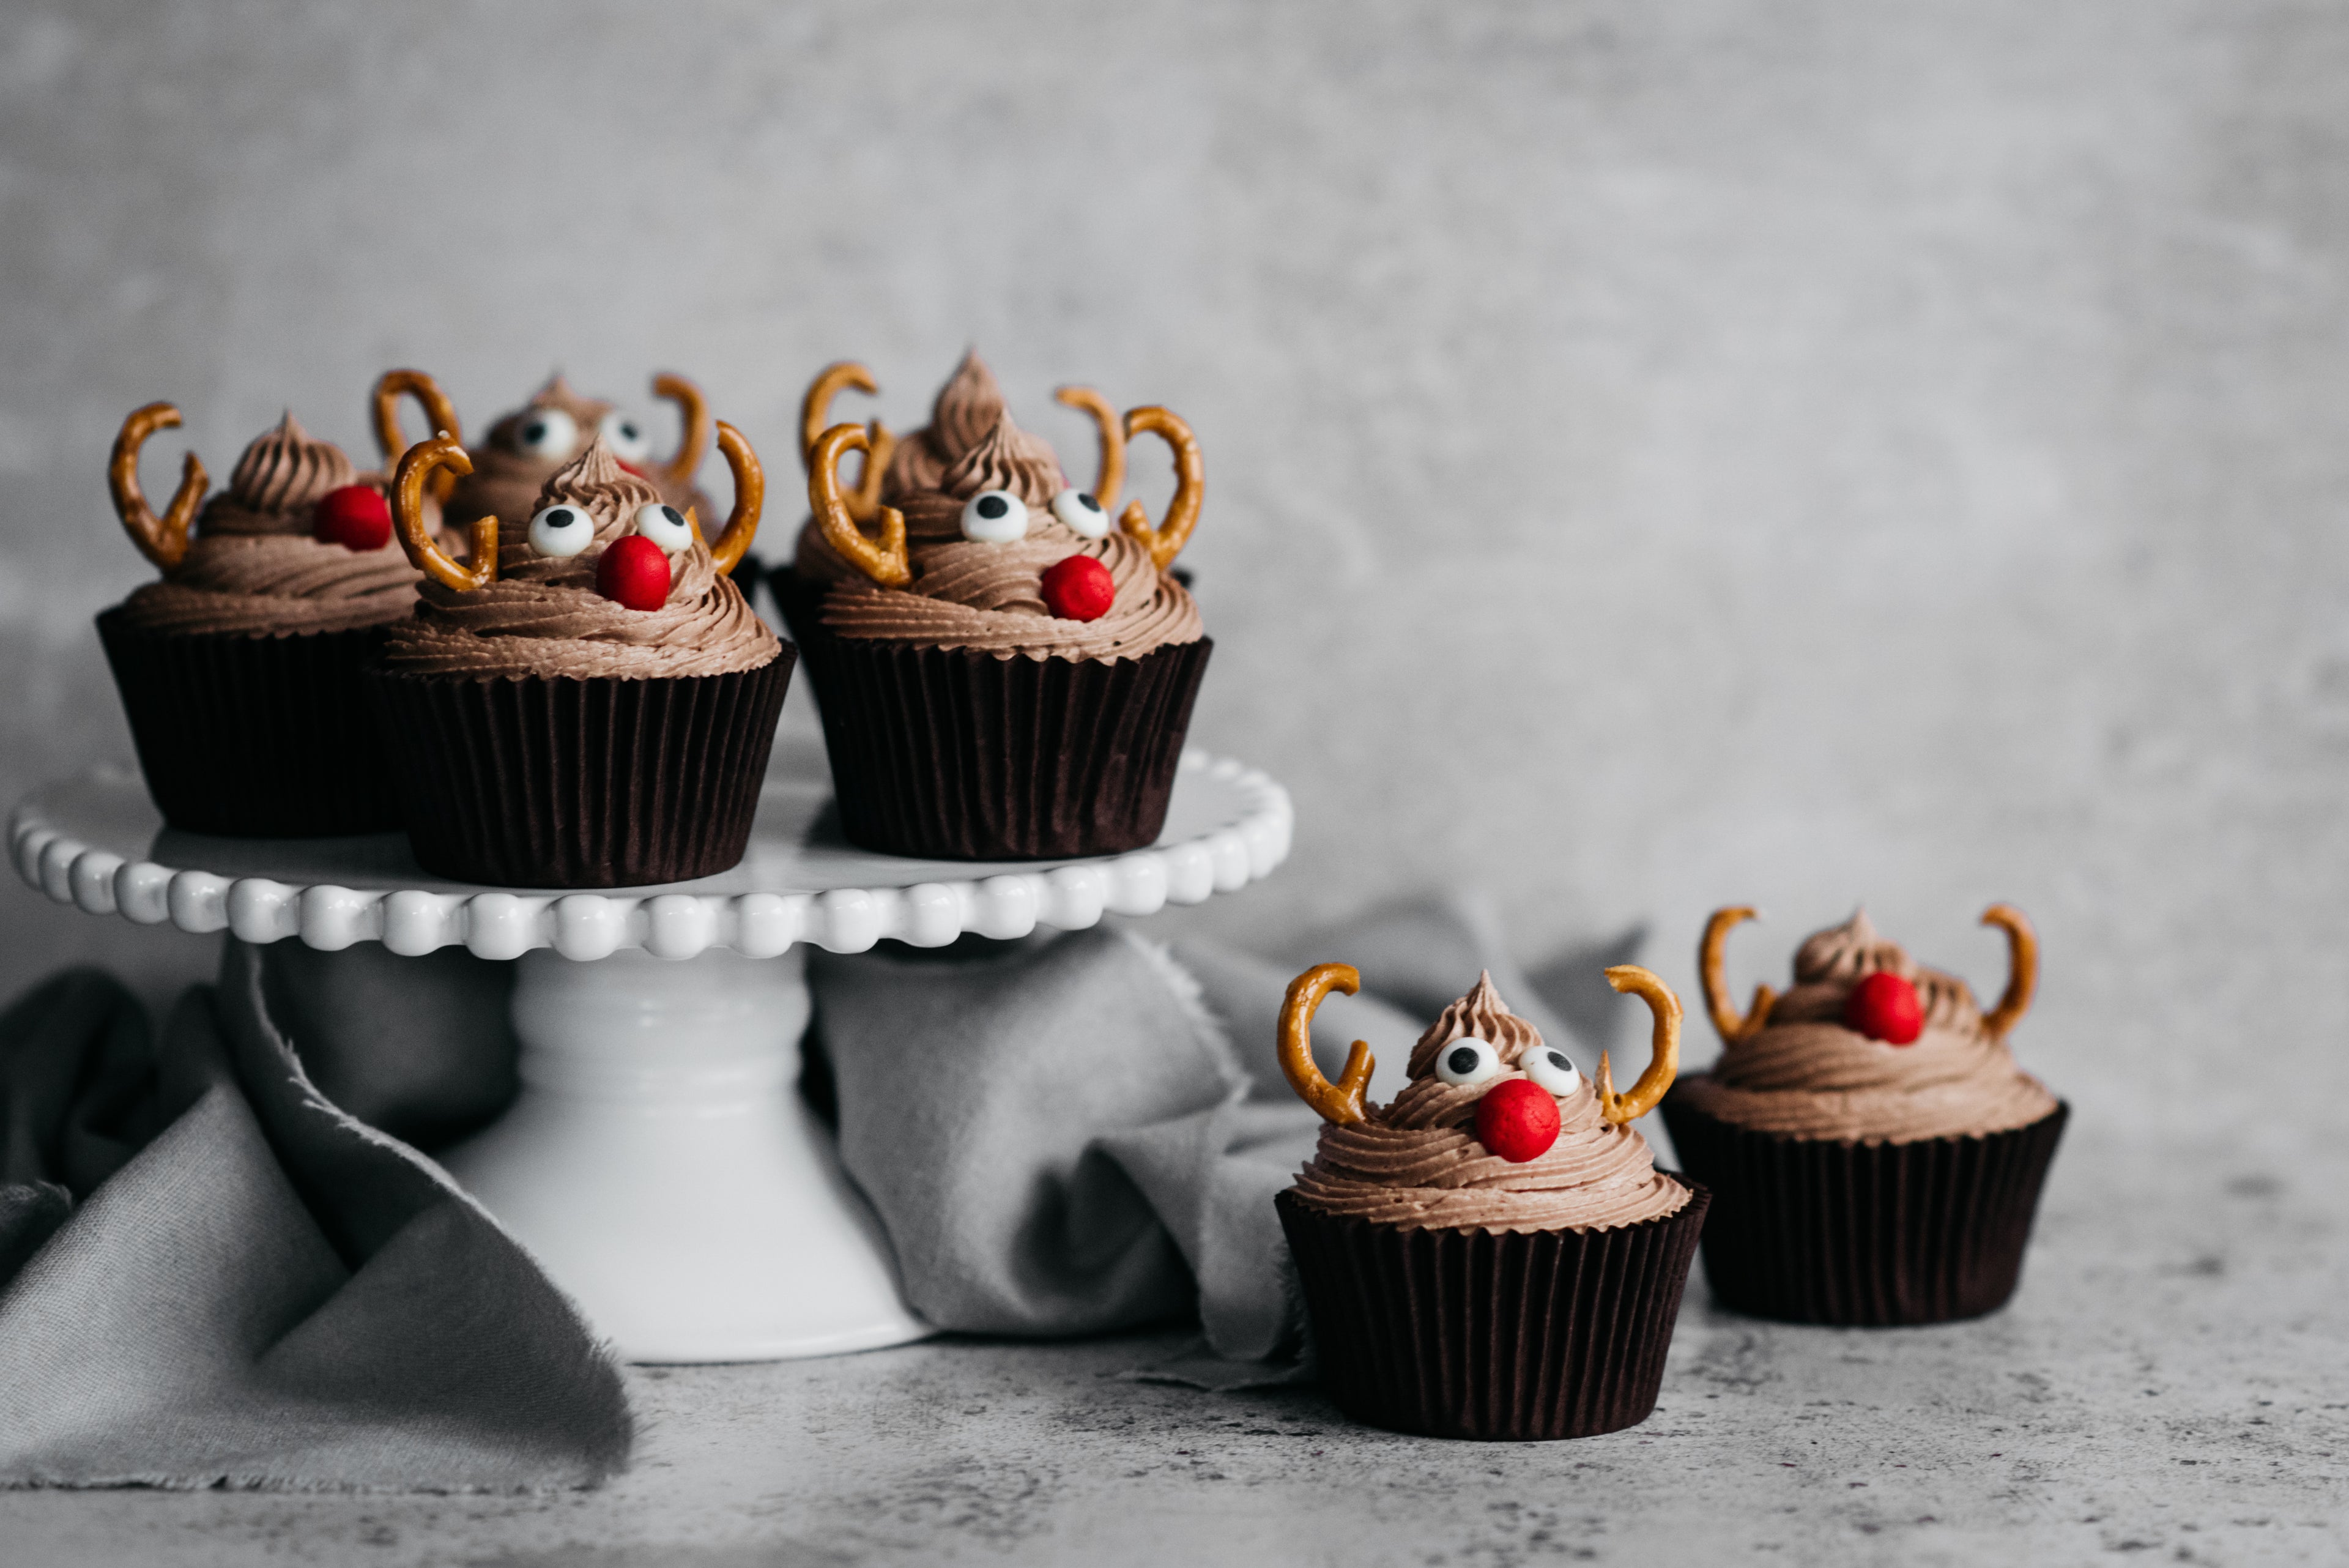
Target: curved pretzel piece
[(416, 470), (1714, 974), (864, 502), (2023, 968), (162, 540), (1663, 1052), (1341, 1102), (693, 437), (750, 499), (440, 418), (884, 560), (1111, 479), (1166, 541)]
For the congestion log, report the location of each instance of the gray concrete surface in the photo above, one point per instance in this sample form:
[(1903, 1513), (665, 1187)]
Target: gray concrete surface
[(1658, 457), (2166, 1389)]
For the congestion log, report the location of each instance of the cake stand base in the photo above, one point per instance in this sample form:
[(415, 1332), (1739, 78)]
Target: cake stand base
[(662, 1168)]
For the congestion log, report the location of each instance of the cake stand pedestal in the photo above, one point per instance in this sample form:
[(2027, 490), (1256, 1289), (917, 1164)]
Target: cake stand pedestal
[(658, 1161)]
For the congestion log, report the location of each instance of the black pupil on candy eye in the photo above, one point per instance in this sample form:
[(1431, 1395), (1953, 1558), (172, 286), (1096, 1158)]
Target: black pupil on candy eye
[(1557, 1060), (561, 517), (535, 431), (675, 521), (1087, 501), (992, 506), (628, 432), (1462, 1061)]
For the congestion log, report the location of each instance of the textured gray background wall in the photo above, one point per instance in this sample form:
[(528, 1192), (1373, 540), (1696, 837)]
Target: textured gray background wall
[(1658, 456)]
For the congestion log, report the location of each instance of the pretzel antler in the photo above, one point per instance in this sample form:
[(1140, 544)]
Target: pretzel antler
[(2023, 968), (1166, 541), (885, 561), (1714, 974), (1341, 1102), (1663, 1052), (693, 435), (162, 540), (439, 416), (750, 499), (1111, 477), (864, 502), (416, 470)]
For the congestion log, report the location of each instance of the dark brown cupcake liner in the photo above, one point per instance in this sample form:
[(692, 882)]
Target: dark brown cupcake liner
[(254, 737), (956, 755), (1465, 1333), (1864, 1235), (558, 781)]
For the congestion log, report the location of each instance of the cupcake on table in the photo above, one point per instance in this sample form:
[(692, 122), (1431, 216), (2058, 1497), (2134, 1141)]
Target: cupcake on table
[(1005, 667), (586, 701), (1493, 1254), (239, 669), (1876, 1153)]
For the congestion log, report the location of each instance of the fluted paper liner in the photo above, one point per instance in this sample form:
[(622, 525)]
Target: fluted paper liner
[(560, 781), (254, 737), (1502, 1337), (1864, 1235), (953, 754)]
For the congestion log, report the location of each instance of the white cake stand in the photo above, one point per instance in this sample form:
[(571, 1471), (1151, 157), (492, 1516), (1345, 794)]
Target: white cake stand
[(658, 1162)]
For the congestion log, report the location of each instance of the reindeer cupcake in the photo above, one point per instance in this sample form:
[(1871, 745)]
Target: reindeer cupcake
[(1004, 671), (239, 669), (1493, 1254), (524, 450), (1876, 1153), (585, 700)]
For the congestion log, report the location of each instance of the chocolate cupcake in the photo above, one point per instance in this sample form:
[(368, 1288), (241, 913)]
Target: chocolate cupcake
[(523, 451), (1493, 1255), (1003, 673), (240, 670), (588, 701), (1876, 1154)]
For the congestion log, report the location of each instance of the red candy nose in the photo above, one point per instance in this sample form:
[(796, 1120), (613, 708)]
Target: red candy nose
[(355, 517), (634, 573), (1885, 1007), (1518, 1120), (1079, 589)]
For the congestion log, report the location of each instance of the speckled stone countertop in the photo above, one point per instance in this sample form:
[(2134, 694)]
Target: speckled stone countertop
[(2171, 1385)]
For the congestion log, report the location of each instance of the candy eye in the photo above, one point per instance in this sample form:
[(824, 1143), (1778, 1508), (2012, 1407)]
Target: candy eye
[(995, 517), (626, 438), (1082, 513), (1467, 1062), (546, 433), (562, 532), (665, 527), (1548, 1066)]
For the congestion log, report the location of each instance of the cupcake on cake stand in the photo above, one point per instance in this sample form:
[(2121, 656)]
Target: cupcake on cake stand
[(660, 1162)]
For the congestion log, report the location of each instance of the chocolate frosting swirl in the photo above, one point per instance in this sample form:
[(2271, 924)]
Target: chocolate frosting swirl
[(253, 567), (506, 481), (1416, 1163), (543, 617), (1807, 1075), (985, 596)]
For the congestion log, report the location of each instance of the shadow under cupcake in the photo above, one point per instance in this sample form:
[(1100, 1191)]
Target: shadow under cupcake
[(1875, 1155)]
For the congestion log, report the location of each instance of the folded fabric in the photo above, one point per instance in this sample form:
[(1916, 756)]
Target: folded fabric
[(1082, 1133), (209, 1274)]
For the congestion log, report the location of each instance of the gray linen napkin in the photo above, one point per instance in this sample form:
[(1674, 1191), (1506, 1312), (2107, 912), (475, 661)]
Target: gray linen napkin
[(209, 1274), (1076, 1134)]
